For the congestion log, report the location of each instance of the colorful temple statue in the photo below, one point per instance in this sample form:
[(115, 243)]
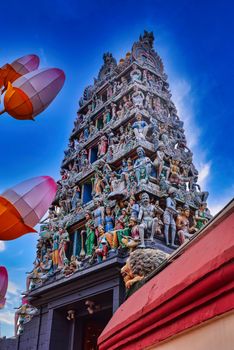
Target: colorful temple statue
[(135, 74), (90, 234), (140, 127), (169, 217), (142, 166), (201, 217), (185, 232), (55, 249), (23, 315), (138, 98), (147, 220)]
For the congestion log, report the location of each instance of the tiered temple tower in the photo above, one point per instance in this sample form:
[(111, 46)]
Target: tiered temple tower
[(127, 182)]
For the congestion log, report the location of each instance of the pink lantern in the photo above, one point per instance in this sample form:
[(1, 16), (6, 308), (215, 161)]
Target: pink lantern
[(21, 66), (26, 64), (3, 285)]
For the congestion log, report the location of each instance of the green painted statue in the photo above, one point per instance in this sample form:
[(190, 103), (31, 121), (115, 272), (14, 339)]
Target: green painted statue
[(90, 234)]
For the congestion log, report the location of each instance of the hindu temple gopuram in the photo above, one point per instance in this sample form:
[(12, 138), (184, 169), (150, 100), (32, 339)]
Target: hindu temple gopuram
[(128, 187)]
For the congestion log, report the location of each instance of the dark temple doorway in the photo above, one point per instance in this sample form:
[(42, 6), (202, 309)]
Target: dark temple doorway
[(92, 327)]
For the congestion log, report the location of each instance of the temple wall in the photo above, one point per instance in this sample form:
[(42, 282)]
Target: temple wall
[(43, 337), (35, 336), (216, 334), (8, 344), (28, 340)]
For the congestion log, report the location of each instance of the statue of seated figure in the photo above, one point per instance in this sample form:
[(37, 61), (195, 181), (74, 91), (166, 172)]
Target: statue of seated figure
[(140, 127)]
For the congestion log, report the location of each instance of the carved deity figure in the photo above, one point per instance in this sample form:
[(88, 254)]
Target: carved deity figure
[(168, 217), (200, 216), (140, 127), (121, 226), (55, 249), (127, 104), (98, 184), (135, 74), (145, 77), (72, 267), (84, 162), (120, 112), (90, 234), (86, 133), (109, 220), (149, 101), (164, 135), (133, 207), (109, 91), (113, 111), (175, 177), (124, 169), (98, 214), (138, 98), (147, 220), (102, 245), (159, 161), (183, 227), (132, 241), (118, 186), (102, 146), (75, 197), (142, 166), (124, 83), (23, 315), (196, 189), (159, 223), (63, 243), (107, 116)]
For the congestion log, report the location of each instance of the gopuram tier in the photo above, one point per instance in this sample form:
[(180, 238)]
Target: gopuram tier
[(127, 178)]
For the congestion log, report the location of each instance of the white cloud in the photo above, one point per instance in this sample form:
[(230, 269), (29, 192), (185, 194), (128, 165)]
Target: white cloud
[(7, 317), (2, 246), (182, 96), (204, 172), (219, 202), (13, 288), (185, 101), (13, 299)]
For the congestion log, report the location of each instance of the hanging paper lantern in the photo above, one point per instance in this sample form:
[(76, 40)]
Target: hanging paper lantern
[(21, 66), (23, 206), (32, 93), (3, 285)]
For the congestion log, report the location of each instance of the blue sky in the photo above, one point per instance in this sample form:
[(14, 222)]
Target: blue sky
[(195, 41)]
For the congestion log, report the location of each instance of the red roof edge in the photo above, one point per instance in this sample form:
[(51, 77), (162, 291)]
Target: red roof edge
[(194, 287)]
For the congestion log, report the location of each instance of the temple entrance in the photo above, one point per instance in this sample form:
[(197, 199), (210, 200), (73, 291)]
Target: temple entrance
[(88, 328), (92, 328), (78, 325)]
